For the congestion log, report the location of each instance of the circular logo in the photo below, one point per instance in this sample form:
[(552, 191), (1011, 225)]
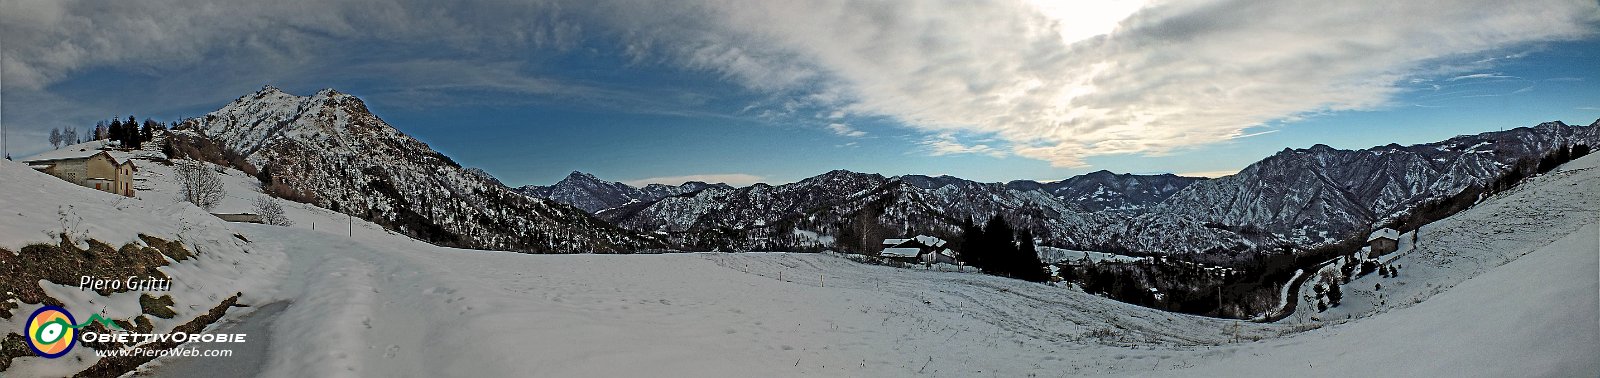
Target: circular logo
[(50, 332)]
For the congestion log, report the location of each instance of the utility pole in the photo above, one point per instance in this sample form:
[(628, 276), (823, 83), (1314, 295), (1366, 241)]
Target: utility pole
[(5, 146)]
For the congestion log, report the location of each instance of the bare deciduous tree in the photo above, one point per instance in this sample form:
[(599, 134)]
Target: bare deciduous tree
[(199, 185), (56, 138), (271, 212)]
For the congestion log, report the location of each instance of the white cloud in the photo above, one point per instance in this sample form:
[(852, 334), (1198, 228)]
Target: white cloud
[(845, 130), (1120, 79), (1496, 75), (735, 179), (946, 144), (48, 40)]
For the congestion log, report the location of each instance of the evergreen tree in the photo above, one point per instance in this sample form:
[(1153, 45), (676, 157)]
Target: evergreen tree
[(107, 131), (972, 244), (998, 243), (147, 130), (1028, 266), (116, 132)]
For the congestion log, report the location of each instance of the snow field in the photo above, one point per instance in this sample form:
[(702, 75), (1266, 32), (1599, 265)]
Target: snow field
[(1497, 298)]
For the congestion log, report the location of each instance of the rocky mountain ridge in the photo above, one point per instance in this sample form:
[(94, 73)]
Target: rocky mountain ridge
[(331, 151), (590, 193)]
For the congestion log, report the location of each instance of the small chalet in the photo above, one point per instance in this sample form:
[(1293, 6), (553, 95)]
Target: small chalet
[(89, 165), (1383, 241), (922, 248)]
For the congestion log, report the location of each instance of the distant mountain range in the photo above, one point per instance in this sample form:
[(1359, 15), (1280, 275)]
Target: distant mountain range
[(592, 194), (1305, 197), (330, 146), (1297, 197), (1106, 191)]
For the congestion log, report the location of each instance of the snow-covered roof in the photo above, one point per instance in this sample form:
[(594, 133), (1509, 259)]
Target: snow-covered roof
[(900, 252), (75, 151), (930, 241), (923, 239), (78, 151), (1386, 233)]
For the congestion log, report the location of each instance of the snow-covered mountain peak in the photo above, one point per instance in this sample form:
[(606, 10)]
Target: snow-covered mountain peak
[(593, 194), (579, 176), (1551, 125), (330, 93), (330, 150), (268, 89), (253, 120)]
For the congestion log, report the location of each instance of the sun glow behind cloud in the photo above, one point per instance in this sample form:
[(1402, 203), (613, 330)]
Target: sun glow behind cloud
[(1079, 20)]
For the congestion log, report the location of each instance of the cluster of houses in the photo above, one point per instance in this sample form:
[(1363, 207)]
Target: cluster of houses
[(919, 249), (95, 164)]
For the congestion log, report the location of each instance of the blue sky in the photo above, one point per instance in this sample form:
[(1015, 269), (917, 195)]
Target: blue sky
[(775, 92)]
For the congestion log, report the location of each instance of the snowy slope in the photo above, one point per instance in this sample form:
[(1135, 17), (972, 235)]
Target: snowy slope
[(33, 205), (1496, 231), (1506, 288), (390, 306), (1533, 317)]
